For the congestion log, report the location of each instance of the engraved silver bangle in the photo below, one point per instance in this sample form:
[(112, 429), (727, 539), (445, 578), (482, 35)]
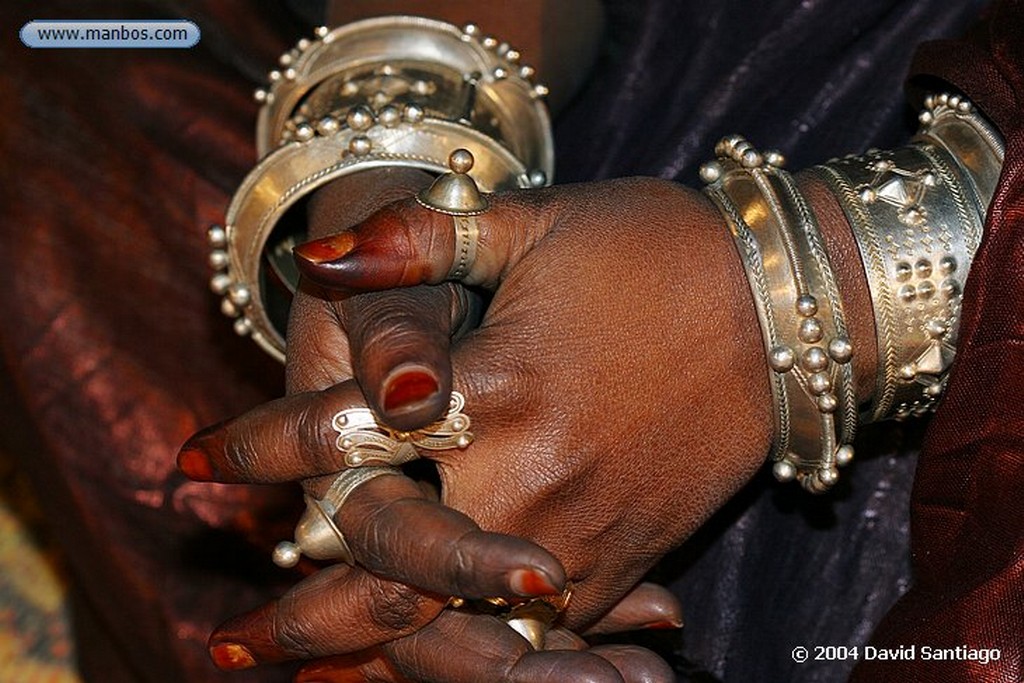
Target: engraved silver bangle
[(917, 215), (384, 92), (798, 308)]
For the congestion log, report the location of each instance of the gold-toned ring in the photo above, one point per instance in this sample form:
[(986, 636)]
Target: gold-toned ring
[(531, 618)]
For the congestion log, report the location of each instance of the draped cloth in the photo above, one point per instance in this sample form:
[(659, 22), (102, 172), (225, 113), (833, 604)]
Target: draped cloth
[(114, 350)]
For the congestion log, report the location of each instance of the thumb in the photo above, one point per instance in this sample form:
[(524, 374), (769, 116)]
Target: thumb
[(406, 244)]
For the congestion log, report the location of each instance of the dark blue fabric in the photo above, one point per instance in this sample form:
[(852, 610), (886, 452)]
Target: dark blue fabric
[(777, 568)]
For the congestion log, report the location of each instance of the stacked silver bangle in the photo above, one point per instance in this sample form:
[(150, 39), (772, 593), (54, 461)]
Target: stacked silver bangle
[(917, 214), (384, 92), (799, 310)]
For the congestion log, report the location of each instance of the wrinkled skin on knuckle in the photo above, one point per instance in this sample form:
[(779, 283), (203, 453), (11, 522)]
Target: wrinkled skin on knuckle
[(241, 452), (378, 537), (312, 429), (295, 633), (395, 607), (318, 353), (401, 321), (462, 562)]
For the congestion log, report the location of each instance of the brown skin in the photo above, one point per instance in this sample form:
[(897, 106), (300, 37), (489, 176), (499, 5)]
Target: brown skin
[(304, 623), (640, 399), (618, 367)]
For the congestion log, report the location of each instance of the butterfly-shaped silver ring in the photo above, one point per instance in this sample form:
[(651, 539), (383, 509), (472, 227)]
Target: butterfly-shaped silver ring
[(365, 441)]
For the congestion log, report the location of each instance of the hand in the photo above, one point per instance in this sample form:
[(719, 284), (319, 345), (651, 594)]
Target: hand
[(618, 393), (617, 383), (417, 325)]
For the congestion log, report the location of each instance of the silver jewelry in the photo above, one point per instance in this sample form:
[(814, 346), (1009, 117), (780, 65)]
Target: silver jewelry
[(456, 195), (365, 441), (317, 536), (798, 308), (917, 215), (389, 91)]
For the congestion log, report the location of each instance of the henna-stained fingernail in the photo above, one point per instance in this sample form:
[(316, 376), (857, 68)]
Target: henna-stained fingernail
[(408, 387), (531, 583), (194, 464), (327, 249), (663, 625), (232, 657)]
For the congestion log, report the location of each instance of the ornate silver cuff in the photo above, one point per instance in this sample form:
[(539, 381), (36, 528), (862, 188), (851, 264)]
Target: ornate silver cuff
[(917, 214), (389, 91)]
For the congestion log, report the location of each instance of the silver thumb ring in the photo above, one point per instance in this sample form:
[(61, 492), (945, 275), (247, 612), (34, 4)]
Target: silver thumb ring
[(316, 535), (456, 194)]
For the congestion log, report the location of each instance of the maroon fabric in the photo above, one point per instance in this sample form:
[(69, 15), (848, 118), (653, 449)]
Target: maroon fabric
[(113, 349), (967, 530)]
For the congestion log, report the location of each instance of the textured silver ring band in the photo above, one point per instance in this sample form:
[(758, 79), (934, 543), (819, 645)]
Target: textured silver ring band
[(467, 236)]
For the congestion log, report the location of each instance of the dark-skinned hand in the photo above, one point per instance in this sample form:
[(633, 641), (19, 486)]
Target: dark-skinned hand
[(399, 343)]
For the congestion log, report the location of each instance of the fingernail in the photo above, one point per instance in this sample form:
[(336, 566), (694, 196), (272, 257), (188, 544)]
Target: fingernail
[(409, 387), (327, 249), (232, 657), (531, 583), (663, 625), (194, 464)]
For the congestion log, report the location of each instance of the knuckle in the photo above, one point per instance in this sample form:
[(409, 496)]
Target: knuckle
[(314, 432), (239, 456), (399, 322), (241, 451), (292, 632), (395, 607), (463, 565)]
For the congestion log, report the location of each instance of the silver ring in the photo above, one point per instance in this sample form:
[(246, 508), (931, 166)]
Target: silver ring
[(317, 536), (456, 194), (365, 441), (467, 236)]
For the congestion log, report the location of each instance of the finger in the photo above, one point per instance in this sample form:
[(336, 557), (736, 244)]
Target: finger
[(564, 639), (636, 664), (394, 530), (407, 244), (397, 533), (647, 606), (317, 344), (339, 609), (466, 648), (399, 342), (287, 439)]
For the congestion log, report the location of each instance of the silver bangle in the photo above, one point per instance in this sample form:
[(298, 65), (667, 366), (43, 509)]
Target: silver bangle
[(798, 308), (917, 214), (384, 92)]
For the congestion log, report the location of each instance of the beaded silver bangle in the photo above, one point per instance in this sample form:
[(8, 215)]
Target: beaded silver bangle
[(798, 308), (384, 92), (917, 214)]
